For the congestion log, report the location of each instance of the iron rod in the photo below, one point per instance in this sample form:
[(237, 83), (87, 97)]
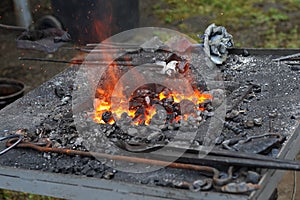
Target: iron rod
[(287, 57), (192, 161), (11, 27), (79, 62)]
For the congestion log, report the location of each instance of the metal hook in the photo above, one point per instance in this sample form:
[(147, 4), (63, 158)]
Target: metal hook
[(20, 138)]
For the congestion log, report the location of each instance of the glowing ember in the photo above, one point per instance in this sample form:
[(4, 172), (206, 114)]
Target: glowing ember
[(153, 102), (142, 115)]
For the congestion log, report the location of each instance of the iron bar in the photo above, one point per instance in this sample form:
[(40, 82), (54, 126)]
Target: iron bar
[(11, 27), (104, 49), (287, 57), (190, 158), (72, 152), (114, 45), (79, 61), (217, 157)]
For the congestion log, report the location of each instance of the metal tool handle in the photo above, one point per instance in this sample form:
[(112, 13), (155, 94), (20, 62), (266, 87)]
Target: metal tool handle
[(20, 138)]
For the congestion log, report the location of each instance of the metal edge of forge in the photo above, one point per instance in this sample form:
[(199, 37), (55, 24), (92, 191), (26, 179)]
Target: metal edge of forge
[(271, 178), (264, 51), (81, 187)]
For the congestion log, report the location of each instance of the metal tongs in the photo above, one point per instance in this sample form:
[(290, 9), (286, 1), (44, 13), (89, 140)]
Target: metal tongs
[(198, 155)]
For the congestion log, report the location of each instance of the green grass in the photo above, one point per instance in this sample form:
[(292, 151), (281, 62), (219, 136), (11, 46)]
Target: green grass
[(268, 19), (13, 195)]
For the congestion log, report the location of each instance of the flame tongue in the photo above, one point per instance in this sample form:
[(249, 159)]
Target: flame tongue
[(143, 109), (113, 98)]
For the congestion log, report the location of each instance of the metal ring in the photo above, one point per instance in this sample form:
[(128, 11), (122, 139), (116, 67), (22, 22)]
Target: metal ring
[(13, 145)]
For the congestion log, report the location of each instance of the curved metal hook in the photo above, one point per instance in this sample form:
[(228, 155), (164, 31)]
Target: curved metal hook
[(20, 138)]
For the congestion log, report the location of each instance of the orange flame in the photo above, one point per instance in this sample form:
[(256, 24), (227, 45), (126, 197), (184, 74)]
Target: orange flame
[(196, 98), (111, 97), (102, 106)]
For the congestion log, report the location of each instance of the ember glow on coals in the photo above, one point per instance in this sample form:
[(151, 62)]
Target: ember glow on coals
[(136, 88), (142, 106)]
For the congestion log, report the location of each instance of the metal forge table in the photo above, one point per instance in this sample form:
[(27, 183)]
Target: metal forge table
[(22, 170)]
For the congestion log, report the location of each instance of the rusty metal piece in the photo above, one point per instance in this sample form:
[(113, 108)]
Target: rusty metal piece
[(48, 149), (216, 182), (203, 185), (178, 184), (45, 146), (220, 182), (239, 188)]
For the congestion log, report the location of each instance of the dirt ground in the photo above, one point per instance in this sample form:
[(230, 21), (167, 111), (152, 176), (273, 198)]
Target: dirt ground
[(34, 74)]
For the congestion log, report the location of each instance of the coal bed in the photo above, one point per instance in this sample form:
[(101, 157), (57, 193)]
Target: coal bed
[(261, 116)]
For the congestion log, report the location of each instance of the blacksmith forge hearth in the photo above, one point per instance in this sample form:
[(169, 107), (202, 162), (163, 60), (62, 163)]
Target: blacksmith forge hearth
[(262, 117)]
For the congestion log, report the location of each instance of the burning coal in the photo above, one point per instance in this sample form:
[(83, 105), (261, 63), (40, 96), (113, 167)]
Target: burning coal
[(143, 106), (149, 103)]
